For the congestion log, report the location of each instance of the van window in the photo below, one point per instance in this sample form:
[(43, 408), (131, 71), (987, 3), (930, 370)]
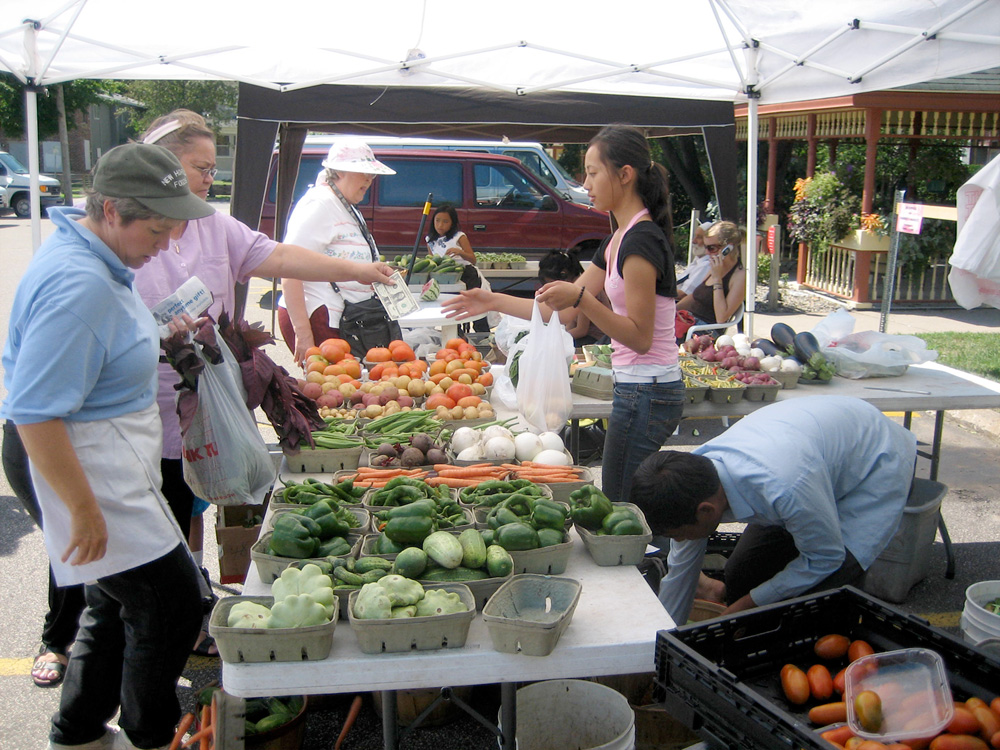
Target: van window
[(12, 164), (415, 179), (533, 161), (503, 186)]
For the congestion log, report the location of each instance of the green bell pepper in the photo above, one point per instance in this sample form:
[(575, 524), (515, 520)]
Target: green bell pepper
[(330, 518), (548, 514), (520, 504), (549, 537), (294, 536), (622, 522), (422, 507), (501, 515), (409, 530), (588, 507)]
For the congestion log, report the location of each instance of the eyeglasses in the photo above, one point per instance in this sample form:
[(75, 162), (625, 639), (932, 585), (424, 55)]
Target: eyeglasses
[(713, 247), (208, 171)]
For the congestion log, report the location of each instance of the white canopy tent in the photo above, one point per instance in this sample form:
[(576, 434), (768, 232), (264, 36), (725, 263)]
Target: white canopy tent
[(723, 50)]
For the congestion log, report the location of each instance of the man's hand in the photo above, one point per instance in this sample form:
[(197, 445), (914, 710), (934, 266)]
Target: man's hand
[(743, 603), (710, 589)]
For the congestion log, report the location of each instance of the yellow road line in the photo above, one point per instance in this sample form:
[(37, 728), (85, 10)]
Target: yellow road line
[(943, 619), (14, 667)]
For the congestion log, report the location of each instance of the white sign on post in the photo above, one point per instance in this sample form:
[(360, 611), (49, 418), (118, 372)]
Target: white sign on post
[(909, 217)]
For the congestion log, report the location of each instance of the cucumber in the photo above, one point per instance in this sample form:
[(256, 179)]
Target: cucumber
[(455, 575), (473, 548), (366, 564), (499, 563), (410, 563), (273, 722), (444, 549)]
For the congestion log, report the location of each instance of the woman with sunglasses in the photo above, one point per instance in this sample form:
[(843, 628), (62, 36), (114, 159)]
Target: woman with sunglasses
[(724, 289)]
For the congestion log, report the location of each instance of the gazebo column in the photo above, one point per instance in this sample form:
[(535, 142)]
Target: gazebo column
[(873, 128), (811, 145), (772, 165)]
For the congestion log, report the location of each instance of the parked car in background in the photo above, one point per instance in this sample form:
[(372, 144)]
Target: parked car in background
[(501, 206), (532, 155), (15, 188)]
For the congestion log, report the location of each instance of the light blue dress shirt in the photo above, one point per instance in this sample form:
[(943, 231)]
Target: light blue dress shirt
[(831, 470)]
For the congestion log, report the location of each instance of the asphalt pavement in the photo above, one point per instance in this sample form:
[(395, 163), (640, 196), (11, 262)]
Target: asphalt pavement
[(971, 511)]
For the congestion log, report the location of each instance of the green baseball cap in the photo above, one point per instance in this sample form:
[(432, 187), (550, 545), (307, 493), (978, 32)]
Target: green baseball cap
[(151, 175)]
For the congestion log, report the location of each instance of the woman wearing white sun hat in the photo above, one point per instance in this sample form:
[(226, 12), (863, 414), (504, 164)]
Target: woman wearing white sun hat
[(326, 221)]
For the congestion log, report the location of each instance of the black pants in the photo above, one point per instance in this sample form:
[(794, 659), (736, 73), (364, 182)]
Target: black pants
[(178, 495), (66, 603), (763, 551)]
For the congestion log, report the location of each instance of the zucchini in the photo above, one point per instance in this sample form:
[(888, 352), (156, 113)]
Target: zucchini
[(455, 575), (784, 337)]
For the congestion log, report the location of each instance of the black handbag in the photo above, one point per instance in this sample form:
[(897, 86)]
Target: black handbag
[(366, 325)]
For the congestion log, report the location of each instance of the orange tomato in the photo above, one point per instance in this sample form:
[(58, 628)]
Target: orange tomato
[(378, 354), (485, 379), (333, 370), (840, 735), (820, 682), (402, 353), (313, 350), (459, 391), (345, 378), (439, 399), (958, 742), (331, 351), (868, 710), (437, 377), (795, 684), (351, 367), (454, 343), (831, 646), (437, 366), (317, 366), (376, 372), (857, 649)]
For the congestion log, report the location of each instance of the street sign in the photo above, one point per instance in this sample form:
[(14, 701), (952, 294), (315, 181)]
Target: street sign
[(909, 217)]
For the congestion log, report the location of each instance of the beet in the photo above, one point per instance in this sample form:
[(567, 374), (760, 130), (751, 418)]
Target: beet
[(412, 457), (436, 456)]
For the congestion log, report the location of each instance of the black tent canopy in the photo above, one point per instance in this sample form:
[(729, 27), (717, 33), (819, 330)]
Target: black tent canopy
[(265, 116)]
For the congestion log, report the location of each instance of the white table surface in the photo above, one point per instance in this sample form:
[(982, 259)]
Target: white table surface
[(431, 315), (613, 631)]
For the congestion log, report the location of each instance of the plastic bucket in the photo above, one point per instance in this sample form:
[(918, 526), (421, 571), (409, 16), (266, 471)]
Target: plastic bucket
[(573, 715), (979, 624)]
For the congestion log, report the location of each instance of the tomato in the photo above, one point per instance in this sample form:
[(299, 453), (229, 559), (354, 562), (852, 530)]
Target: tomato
[(868, 710), (828, 713), (795, 684), (958, 742), (820, 682), (857, 649), (831, 646)]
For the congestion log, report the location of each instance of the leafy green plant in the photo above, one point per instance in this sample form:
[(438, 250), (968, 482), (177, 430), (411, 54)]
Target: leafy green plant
[(934, 243), (823, 211)]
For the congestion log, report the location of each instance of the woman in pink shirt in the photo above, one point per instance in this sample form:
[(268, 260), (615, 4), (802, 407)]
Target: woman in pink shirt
[(635, 269)]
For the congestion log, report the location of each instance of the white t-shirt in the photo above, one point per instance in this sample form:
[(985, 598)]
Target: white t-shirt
[(321, 223), (441, 246)]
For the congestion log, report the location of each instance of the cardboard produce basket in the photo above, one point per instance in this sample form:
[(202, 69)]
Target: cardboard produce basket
[(416, 633), (270, 566), (551, 560), (529, 613), (237, 645), (323, 460), (560, 490), (609, 550)]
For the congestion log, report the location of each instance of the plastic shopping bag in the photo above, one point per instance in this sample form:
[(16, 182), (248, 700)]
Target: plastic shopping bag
[(867, 354), (544, 397), (975, 263), (226, 461)]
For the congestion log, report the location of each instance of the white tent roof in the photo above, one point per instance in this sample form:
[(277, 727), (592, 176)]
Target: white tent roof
[(766, 51), (694, 49)]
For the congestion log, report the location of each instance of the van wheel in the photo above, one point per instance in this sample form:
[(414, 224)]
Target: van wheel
[(21, 205)]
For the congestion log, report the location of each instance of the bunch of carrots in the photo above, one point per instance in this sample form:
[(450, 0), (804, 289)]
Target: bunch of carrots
[(468, 476), (465, 476), (205, 737), (368, 476), (544, 473)]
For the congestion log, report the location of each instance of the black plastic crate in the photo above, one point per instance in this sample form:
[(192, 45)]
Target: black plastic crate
[(721, 678)]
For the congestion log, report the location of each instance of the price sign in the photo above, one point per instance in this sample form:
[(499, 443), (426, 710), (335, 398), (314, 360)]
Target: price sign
[(909, 217)]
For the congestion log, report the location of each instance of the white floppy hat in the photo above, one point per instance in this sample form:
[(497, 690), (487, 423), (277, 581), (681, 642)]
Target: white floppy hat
[(354, 155)]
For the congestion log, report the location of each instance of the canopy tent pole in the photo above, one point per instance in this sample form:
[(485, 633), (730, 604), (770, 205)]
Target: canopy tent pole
[(751, 224), (34, 168)]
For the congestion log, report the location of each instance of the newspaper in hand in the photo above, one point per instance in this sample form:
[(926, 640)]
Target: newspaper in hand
[(192, 297), (397, 300)]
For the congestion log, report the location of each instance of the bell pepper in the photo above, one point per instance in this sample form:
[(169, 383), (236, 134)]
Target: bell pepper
[(520, 504), (501, 515), (309, 580), (548, 514), (549, 537), (335, 546), (588, 507), (332, 520), (516, 536), (409, 530), (423, 507), (622, 522), (297, 611), (294, 536)]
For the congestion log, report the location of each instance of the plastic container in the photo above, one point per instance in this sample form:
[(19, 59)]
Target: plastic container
[(416, 633), (608, 550), (906, 559), (721, 677), (237, 645), (529, 613), (896, 676), (573, 715), (324, 460), (978, 623), (270, 566)]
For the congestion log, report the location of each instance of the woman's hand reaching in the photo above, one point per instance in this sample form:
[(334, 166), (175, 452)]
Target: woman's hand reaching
[(468, 303), (558, 295), (370, 273)]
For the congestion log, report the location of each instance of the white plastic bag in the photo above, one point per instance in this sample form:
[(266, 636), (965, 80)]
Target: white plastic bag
[(226, 461), (975, 263), (544, 397), (867, 354)]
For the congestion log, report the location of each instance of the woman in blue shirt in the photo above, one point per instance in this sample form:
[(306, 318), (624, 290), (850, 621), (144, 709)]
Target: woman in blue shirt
[(92, 433)]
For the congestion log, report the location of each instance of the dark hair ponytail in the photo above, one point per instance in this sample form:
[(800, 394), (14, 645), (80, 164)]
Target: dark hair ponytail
[(559, 266), (432, 232), (625, 144)]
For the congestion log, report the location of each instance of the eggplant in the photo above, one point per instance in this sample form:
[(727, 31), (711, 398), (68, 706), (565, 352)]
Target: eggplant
[(768, 347), (783, 336), (806, 346)]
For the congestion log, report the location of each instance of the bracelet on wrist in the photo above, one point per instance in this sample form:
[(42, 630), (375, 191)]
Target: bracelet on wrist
[(579, 297)]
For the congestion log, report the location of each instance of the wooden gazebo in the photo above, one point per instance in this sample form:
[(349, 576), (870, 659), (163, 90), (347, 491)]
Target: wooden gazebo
[(964, 109)]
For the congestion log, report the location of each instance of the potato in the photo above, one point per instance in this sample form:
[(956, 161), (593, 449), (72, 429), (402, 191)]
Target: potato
[(471, 412), (373, 410), (457, 413)]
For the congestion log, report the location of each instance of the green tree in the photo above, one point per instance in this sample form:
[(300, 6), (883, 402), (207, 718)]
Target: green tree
[(79, 95), (214, 100)]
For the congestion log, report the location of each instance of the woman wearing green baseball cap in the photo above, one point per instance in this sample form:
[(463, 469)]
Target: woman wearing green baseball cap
[(92, 432)]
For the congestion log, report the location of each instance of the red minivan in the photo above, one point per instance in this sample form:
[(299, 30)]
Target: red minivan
[(500, 205)]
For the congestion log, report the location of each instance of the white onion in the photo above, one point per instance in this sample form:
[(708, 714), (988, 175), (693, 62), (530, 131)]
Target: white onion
[(496, 430), (551, 441), (552, 458), (526, 446), (724, 340), (465, 437), (472, 453), (499, 447)]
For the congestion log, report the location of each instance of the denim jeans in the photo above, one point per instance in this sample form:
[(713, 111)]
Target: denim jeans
[(134, 640), (643, 416)]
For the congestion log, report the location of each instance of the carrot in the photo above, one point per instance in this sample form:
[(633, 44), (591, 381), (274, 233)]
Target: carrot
[(466, 471), (206, 721), (448, 467), (186, 722), (202, 733), (352, 715), (451, 482), (379, 472)]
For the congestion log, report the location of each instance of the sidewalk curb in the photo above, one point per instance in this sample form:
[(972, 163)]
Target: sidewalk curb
[(985, 422)]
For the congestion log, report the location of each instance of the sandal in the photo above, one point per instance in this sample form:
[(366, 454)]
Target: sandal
[(55, 668), (206, 647)]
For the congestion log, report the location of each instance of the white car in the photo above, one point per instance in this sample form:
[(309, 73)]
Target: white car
[(15, 188)]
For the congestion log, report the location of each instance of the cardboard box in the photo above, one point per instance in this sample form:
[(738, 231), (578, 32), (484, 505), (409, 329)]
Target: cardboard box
[(235, 538)]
